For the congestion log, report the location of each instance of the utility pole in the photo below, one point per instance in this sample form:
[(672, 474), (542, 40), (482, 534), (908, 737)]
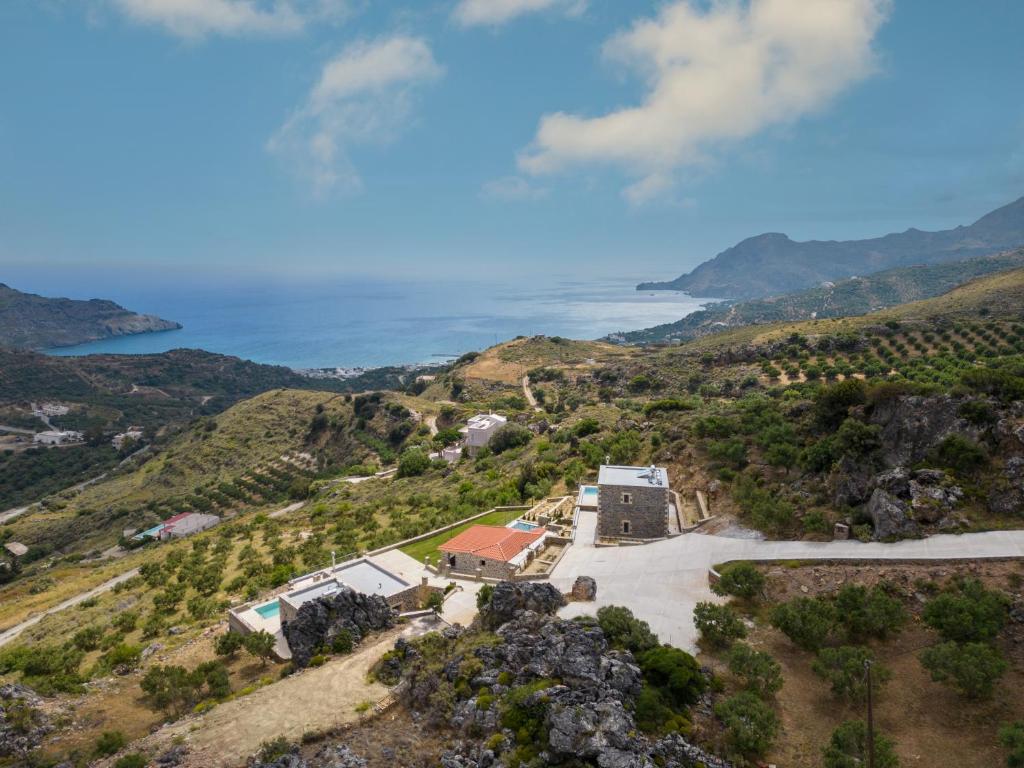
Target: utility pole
[(871, 717)]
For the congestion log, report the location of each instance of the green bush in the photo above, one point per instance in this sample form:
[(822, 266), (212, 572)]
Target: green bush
[(972, 668), (845, 669), (122, 658), (719, 625), (624, 631), (413, 462), (848, 748), (343, 643), (758, 671), (1011, 738), (960, 455), (806, 621), (508, 437), (750, 724), (260, 644), (971, 613), (675, 673), (134, 760), (741, 580), (865, 613), (109, 743), (229, 643)]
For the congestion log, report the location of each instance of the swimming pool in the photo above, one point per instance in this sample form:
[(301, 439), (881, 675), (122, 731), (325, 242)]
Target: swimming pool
[(269, 610), (588, 496), (522, 525)]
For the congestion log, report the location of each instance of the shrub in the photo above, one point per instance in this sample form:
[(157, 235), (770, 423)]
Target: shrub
[(675, 673), (960, 455), (806, 621), (848, 748), (832, 403), (229, 643), (868, 613), (483, 597), (260, 644), (653, 715), (508, 437), (342, 642), (758, 671), (719, 625), (109, 743), (274, 749), (970, 614), (624, 631), (750, 724), (844, 668), (741, 580), (122, 658), (1011, 738), (973, 668), (134, 760), (413, 462), (87, 639), (731, 452)]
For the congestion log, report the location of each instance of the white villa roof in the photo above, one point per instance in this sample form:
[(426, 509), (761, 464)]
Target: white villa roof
[(633, 476), (485, 420)]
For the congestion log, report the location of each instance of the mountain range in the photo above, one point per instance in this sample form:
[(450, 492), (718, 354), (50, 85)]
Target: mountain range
[(771, 264), (29, 321)]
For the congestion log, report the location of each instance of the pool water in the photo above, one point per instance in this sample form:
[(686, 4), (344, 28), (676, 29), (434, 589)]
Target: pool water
[(588, 494), (522, 525), (268, 610)]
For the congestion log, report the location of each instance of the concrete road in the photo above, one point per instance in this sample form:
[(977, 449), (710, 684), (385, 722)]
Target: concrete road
[(663, 581), (10, 634)]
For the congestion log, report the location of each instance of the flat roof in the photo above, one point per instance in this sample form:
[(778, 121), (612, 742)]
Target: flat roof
[(632, 476), (360, 575)]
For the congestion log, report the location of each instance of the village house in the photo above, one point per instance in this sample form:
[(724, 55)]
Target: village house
[(132, 433), (491, 550), (480, 429), (632, 502), (179, 526), (57, 437)]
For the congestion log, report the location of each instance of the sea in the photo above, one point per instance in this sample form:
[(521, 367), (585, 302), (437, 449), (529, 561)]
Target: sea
[(348, 322)]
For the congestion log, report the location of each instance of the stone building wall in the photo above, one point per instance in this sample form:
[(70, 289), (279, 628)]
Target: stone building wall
[(647, 514), (466, 562)]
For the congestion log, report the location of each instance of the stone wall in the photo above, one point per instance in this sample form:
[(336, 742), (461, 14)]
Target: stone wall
[(466, 562), (647, 514)]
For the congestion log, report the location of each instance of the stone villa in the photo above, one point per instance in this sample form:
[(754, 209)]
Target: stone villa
[(480, 429), (633, 503), (491, 550)]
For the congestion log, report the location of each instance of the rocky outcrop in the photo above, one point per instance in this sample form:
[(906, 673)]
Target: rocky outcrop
[(22, 725), (333, 756), (904, 502), (319, 621), (510, 598), (1006, 496), (913, 426)]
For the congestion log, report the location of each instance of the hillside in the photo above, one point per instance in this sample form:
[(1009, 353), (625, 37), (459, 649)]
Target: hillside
[(773, 264), (855, 296), (30, 321)]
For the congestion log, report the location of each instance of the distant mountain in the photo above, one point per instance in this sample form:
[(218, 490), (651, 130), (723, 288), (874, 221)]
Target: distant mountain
[(28, 321), (855, 296), (772, 264)]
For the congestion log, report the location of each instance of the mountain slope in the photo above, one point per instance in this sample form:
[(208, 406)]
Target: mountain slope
[(29, 321), (771, 264), (856, 296)]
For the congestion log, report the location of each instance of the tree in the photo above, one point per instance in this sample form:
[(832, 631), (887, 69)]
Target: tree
[(848, 748), (868, 613), (845, 669), (719, 625), (741, 580), (758, 671), (675, 673), (229, 644), (413, 462), (260, 644), (509, 436), (122, 658), (972, 614), (750, 724), (832, 403), (972, 668), (483, 597), (1011, 738), (170, 688), (623, 630), (108, 743), (806, 621)]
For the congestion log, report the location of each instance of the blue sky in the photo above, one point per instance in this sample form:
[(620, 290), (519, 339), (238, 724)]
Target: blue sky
[(493, 137)]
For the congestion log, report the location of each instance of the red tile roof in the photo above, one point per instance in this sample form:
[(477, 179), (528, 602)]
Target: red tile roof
[(492, 541), (170, 521)]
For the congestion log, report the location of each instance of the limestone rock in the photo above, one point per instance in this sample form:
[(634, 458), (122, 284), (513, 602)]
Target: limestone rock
[(584, 589), (509, 598), (890, 516), (22, 725), (319, 621)]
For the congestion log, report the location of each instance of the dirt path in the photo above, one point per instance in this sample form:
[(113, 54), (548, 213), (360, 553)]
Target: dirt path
[(10, 514), (7, 635), (431, 422), (314, 700), (529, 394), (287, 510)]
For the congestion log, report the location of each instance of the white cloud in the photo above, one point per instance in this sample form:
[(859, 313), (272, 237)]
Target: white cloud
[(512, 188), (714, 75), (195, 19), (492, 13), (364, 96)]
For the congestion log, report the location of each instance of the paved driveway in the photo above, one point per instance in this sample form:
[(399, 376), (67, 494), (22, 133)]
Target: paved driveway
[(661, 582)]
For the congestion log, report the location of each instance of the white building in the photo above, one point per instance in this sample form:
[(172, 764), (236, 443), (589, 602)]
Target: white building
[(480, 429), (132, 433), (57, 437), (53, 409)]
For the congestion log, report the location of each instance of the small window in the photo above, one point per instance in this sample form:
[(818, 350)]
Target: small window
[(625, 526), (483, 563), (627, 498)]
